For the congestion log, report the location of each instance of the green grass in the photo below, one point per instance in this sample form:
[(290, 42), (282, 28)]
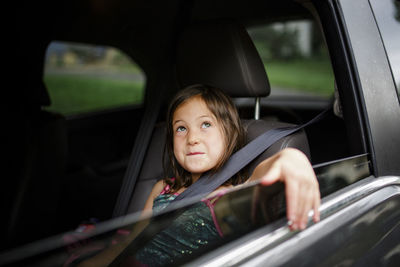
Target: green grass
[(314, 76), (73, 94)]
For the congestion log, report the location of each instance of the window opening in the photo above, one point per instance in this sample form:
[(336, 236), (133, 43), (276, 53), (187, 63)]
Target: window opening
[(295, 58), (84, 78)]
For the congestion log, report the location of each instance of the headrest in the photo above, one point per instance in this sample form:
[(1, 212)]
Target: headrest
[(221, 54)]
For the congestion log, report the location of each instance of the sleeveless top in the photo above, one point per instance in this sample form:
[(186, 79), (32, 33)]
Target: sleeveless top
[(193, 229)]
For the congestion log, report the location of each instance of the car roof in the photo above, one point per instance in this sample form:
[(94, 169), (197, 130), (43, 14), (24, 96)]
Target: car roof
[(117, 23)]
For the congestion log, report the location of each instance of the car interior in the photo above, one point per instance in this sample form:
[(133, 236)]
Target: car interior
[(103, 164)]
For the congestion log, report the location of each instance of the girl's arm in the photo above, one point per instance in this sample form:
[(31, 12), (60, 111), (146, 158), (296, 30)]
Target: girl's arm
[(293, 168)]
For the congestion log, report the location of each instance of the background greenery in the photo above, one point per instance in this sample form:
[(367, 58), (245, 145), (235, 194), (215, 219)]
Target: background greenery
[(72, 94), (286, 65)]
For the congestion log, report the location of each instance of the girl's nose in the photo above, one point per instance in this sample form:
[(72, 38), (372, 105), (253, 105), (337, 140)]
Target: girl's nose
[(193, 138)]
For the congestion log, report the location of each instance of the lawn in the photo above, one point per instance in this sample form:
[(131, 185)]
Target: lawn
[(72, 94), (77, 93), (314, 76)]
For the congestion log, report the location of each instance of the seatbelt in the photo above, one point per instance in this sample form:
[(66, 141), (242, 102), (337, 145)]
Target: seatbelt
[(210, 182)]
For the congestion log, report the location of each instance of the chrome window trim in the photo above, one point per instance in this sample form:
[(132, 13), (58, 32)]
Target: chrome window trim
[(273, 235)]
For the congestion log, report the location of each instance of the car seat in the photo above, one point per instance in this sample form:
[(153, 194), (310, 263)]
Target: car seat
[(220, 54)]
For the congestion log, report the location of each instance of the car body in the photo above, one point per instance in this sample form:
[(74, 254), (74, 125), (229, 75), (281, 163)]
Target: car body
[(355, 157)]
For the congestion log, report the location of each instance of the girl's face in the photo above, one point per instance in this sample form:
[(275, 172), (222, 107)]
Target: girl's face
[(198, 137)]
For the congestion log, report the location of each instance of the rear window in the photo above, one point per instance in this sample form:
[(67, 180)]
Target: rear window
[(83, 78)]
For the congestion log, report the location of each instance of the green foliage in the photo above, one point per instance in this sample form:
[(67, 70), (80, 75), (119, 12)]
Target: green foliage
[(73, 94)]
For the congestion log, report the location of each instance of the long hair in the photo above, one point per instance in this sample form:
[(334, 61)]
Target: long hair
[(226, 114)]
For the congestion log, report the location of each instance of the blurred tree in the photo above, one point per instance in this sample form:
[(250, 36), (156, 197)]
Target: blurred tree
[(88, 54), (282, 41)]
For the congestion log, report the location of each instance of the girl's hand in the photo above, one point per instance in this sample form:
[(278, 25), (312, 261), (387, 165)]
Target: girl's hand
[(293, 168)]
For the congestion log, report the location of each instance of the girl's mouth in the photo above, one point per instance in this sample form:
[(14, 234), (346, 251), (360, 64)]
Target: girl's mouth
[(195, 153)]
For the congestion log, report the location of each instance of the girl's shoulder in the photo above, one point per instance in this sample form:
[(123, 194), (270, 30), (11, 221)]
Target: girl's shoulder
[(155, 191), (162, 187), (158, 187)]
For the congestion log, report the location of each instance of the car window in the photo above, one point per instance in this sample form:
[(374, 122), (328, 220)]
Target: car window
[(387, 15), (238, 211), (295, 58), (83, 78)]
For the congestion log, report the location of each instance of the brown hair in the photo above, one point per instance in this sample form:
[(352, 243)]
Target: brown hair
[(225, 112)]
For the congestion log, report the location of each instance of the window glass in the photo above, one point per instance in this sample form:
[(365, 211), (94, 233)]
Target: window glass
[(387, 15), (237, 212), (84, 78), (295, 58)]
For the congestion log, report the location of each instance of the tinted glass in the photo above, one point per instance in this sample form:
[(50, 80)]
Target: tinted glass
[(84, 78), (236, 212), (134, 232), (387, 15)]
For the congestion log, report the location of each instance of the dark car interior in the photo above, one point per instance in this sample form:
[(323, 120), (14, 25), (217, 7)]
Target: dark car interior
[(68, 169)]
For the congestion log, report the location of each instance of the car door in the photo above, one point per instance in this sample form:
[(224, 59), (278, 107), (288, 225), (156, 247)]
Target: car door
[(361, 221)]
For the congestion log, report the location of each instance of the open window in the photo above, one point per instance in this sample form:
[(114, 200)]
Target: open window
[(296, 59)]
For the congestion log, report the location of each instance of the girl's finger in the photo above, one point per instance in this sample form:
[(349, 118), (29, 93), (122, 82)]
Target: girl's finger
[(306, 200), (291, 192), (317, 202)]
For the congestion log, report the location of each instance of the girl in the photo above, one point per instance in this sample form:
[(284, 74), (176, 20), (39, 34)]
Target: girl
[(203, 131)]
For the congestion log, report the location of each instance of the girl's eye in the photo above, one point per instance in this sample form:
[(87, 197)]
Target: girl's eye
[(205, 125), (180, 129)]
